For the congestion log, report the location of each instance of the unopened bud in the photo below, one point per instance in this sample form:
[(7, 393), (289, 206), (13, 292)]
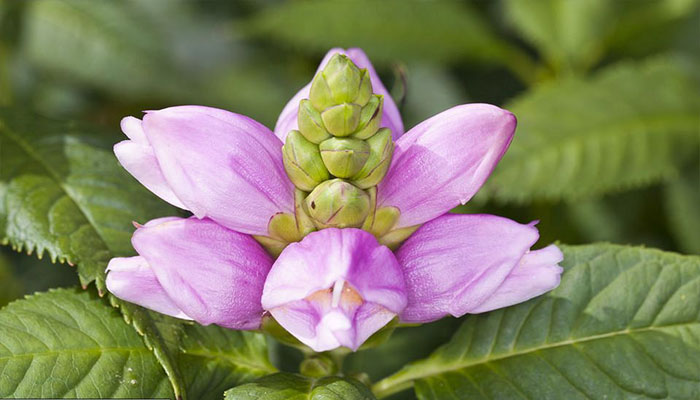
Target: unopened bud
[(338, 204), (381, 148), (344, 157), (302, 162), (318, 366), (343, 78), (341, 120), (370, 118), (310, 123)]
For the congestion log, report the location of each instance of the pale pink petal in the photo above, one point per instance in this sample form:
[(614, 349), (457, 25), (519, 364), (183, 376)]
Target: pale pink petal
[(454, 264), (213, 274), (221, 165), (133, 280), (334, 288), (444, 160)]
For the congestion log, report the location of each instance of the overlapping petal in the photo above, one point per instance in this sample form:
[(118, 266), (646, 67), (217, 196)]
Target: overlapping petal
[(455, 264), (133, 280), (444, 160), (391, 119), (335, 288), (207, 272)]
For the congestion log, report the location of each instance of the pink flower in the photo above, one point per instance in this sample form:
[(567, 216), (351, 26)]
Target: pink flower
[(336, 287)]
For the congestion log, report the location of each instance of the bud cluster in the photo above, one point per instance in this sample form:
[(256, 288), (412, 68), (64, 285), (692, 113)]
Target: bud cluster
[(339, 152)]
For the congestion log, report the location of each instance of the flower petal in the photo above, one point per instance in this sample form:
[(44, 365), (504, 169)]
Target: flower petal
[(456, 263), (133, 280), (537, 273), (334, 288), (139, 160), (213, 274), (221, 165), (391, 119), (444, 160)]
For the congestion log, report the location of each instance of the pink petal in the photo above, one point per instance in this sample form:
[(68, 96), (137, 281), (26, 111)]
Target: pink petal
[(213, 274), (456, 264), (297, 289), (444, 160), (221, 165), (139, 160), (133, 280), (537, 273), (391, 119)]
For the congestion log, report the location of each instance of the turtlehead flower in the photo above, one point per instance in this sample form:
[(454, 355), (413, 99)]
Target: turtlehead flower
[(334, 224)]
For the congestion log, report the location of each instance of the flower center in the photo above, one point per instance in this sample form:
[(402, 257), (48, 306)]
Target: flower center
[(341, 295)]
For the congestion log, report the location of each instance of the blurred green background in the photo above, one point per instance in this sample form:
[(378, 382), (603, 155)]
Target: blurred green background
[(607, 94)]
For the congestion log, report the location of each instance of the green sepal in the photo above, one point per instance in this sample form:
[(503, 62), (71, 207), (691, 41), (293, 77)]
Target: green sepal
[(310, 123), (394, 238), (370, 118), (302, 162), (318, 365), (384, 219), (369, 221), (337, 204), (274, 247), (341, 120), (304, 223), (344, 157), (381, 149), (283, 227), (365, 92)]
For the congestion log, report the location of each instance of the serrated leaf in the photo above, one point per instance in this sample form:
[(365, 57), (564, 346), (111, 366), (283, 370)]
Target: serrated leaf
[(629, 126), (683, 209), (296, 387), (624, 323), (63, 192), (70, 343), (387, 30)]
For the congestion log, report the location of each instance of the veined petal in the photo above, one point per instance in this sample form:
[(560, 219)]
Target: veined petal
[(334, 288), (213, 274), (221, 165), (391, 117), (444, 160), (458, 264), (537, 273), (133, 280)]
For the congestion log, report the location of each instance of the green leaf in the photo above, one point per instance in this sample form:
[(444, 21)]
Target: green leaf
[(63, 192), (296, 387), (624, 323), (569, 34), (214, 359), (388, 30), (682, 200), (630, 125), (70, 343)]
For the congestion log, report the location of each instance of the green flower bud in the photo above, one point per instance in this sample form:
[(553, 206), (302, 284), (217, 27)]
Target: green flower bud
[(273, 246), (370, 118), (394, 238), (338, 204), (283, 226), (381, 148), (318, 366), (365, 92), (310, 123), (342, 120), (343, 78), (320, 94), (344, 157), (303, 163)]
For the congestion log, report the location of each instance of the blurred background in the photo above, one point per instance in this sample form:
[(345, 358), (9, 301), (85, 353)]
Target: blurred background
[(607, 94)]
